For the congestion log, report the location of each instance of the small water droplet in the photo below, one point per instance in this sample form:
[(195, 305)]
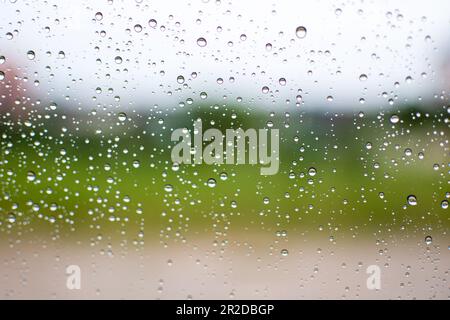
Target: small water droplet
[(53, 106), (211, 182), (201, 42), (31, 55), (408, 152), (11, 218), (180, 79), (300, 32), (412, 200), (98, 16), (122, 116), (31, 176), (394, 119), (152, 23), (223, 176)]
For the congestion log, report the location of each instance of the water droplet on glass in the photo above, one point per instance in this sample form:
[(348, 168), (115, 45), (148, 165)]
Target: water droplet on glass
[(428, 240), (394, 119), (412, 200), (122, 116), (180, 79), (31, 176), (300, 32), (223, 176), (11, 218), (175, 166), (201, 42), (98, 16), (53, 106), (31, 55), (211, 182), (152, 23)]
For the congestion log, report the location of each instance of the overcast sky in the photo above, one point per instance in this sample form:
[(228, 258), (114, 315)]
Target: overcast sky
[(388, 41)]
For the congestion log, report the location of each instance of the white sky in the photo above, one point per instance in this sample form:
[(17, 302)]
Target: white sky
[(334, 43)]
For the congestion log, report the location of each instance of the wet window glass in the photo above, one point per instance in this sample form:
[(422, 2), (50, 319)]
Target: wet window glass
[(213, 149)]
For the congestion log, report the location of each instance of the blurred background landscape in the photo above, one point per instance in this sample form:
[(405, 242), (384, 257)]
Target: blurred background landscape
[(91, 91)]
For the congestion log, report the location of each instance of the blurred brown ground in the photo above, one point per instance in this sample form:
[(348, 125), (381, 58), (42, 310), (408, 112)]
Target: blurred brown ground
[(249, 268)]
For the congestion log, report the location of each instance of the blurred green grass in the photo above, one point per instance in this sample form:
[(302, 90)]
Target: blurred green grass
[(77, 195)]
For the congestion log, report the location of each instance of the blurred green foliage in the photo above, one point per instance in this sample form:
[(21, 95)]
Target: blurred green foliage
[(112, 176)]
